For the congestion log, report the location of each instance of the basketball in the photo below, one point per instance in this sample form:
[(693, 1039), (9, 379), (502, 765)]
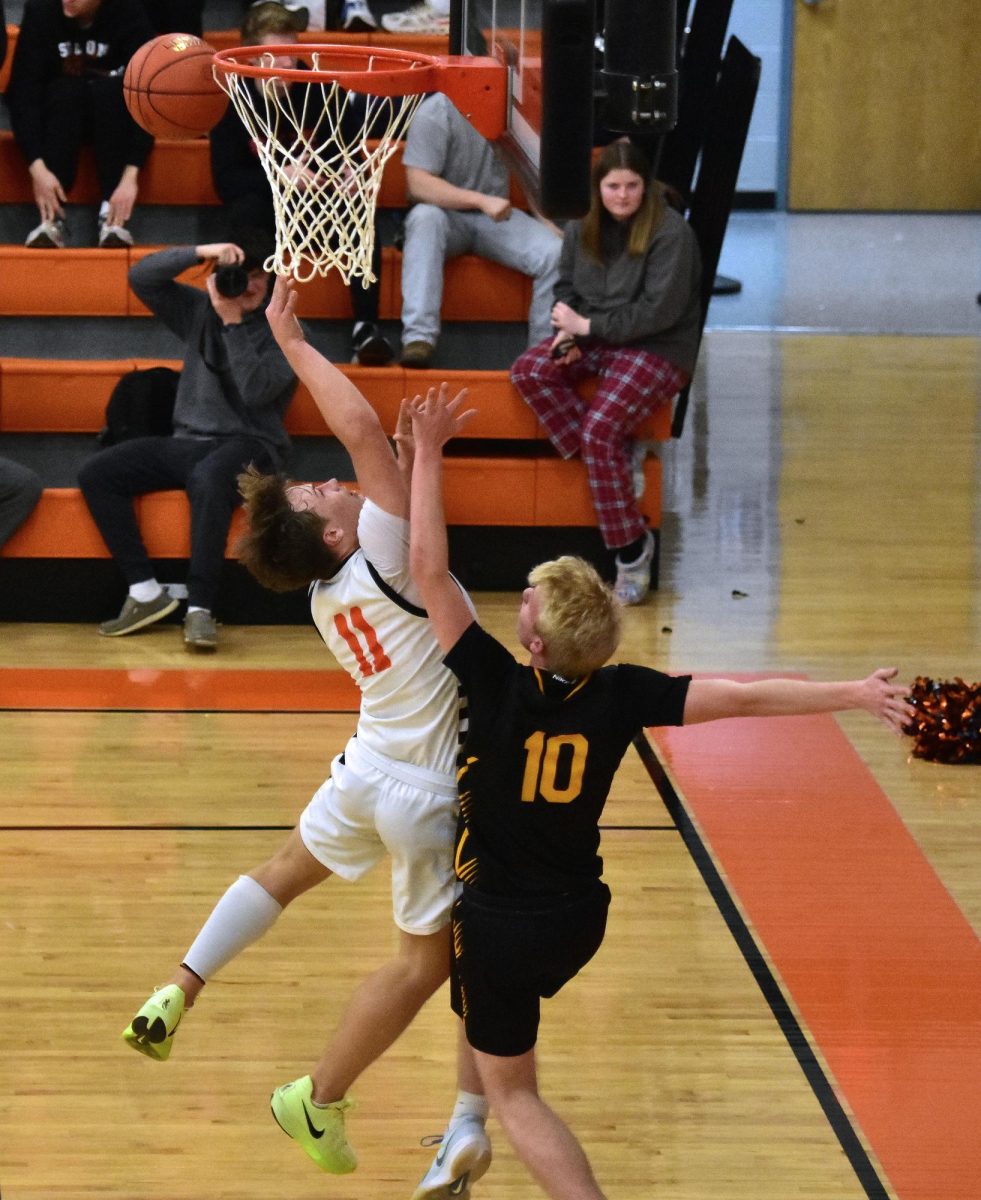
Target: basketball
[(169, 87)]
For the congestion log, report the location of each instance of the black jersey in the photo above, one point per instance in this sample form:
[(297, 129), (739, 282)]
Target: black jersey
[(538, 763)]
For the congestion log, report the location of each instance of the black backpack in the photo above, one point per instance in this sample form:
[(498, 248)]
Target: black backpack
[(141, 405)]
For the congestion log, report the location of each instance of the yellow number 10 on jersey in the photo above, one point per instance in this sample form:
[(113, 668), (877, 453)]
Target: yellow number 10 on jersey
[(542, 763)]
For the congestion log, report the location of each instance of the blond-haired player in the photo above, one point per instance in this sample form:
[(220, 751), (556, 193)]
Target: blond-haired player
[(543, 744)]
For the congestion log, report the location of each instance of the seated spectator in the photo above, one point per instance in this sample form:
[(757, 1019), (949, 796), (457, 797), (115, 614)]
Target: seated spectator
[(459, 190), (20, 490), (175, 16), (234, 389), (66, 90), (243, 188), (627, 309)]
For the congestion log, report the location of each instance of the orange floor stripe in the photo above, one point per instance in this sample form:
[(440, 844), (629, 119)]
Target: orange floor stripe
[(214, 690), (881, 964)]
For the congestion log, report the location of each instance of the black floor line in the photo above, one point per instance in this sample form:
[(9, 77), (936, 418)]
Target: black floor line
[(789, 1025)]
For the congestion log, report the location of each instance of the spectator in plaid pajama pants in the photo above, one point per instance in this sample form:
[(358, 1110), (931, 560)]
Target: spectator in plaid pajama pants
[(627, 309)]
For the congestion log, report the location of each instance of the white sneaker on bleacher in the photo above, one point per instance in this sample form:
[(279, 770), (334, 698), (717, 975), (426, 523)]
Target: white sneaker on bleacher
[(420, 18), (49, 235), (114, 237), (357, 17)]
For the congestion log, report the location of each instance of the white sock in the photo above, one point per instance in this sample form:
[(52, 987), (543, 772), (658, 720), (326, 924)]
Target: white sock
[(468, 1104), (239, 918), (145, 591)]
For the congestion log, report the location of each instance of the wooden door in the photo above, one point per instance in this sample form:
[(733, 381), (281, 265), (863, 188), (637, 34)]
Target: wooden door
[(886, 105)]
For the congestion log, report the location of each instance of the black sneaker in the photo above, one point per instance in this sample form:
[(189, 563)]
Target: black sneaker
[(369, 346)]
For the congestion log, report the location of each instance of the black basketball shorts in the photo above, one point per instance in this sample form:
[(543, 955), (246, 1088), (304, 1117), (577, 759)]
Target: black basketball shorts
[(509, 953)]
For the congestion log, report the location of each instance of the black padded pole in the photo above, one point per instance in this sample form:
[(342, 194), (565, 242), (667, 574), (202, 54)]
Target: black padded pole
[(568, 30), (456, 45), (639, 69)]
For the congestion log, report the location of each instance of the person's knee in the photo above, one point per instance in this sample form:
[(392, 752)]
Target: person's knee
[(508, 1081), (534, 363), (546, 257), (32, 489), (92, 475), (291, 871), (426, 222), (208, 484), (425, 961)]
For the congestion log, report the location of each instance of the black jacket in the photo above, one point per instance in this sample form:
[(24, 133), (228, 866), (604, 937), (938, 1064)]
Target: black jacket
[(50, 45)]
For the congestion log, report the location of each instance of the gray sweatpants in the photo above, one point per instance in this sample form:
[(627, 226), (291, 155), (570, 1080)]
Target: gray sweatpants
[(432, 235)]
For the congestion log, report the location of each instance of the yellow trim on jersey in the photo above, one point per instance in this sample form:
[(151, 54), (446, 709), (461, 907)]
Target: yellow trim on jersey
[(464, 870)]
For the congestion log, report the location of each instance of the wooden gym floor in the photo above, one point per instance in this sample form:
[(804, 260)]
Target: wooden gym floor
[(822, 518)]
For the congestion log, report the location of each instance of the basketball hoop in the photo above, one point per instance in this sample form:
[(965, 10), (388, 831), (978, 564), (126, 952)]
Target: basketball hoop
[(324, 132)]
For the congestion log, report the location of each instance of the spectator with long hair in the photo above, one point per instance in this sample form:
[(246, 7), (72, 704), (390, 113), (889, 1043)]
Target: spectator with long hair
[(626, 310)]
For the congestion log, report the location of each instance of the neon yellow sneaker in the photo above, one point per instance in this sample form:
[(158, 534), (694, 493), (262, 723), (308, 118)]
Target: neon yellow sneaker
[(320, 1131), (463, 1157), (152, 1030)]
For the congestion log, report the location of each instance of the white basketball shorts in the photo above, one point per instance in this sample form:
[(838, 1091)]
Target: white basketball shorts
[(371, 806)]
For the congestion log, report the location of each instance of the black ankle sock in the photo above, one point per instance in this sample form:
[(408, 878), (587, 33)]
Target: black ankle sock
[(633, 550)]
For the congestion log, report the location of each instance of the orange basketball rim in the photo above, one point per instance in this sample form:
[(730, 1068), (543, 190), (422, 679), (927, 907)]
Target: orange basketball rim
[(477, 86)]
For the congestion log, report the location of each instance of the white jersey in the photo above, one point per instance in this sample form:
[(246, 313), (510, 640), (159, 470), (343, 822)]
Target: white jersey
[(410, 704)]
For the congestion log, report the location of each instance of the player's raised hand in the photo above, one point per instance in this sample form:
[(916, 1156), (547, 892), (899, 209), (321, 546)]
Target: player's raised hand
[(281, 314), (886, 700), (405, 446), (437, 418)]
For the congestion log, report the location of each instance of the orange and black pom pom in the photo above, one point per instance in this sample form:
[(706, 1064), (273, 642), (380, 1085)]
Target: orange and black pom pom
[(947, 725)]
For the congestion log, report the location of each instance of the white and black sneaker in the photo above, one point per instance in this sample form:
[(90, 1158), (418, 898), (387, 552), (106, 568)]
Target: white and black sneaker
[(463, 1156), (49, 235), (369, 346), (114, 237), (420, 18)]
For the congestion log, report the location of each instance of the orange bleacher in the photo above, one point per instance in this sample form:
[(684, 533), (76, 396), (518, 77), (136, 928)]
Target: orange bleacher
[(93, 283), (505, 492), (177, 172), (52, 396), (42, 395)]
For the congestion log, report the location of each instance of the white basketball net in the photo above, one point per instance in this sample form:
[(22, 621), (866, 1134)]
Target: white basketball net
[(323, 149)]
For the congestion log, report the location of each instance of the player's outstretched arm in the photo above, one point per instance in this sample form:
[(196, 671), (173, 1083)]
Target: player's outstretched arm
[(710, 699), (435, 420), (345, 410)]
